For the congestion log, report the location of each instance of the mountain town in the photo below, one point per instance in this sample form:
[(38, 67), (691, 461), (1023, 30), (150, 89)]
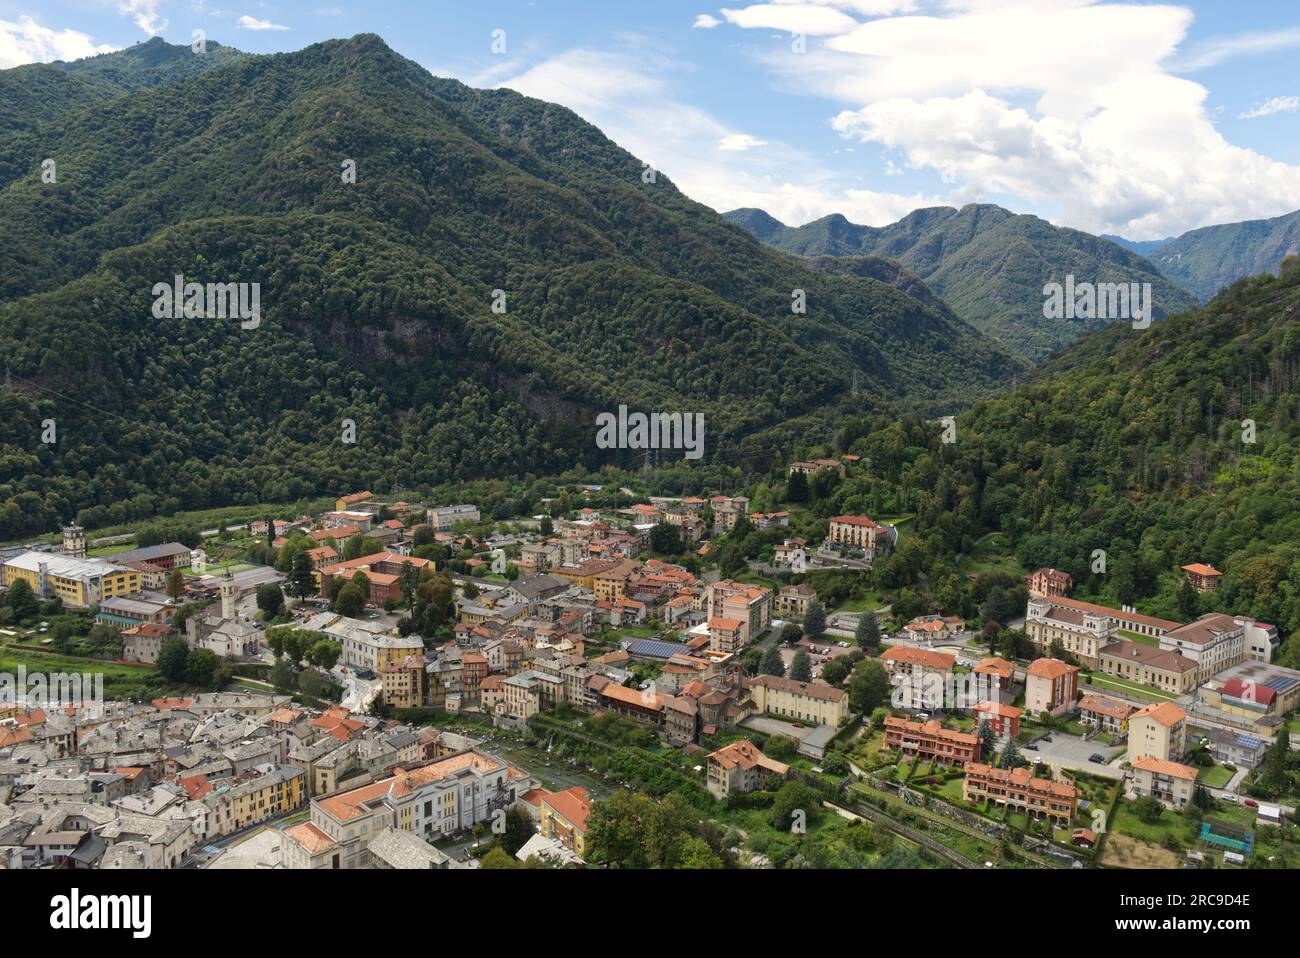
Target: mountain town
[(851, 435)]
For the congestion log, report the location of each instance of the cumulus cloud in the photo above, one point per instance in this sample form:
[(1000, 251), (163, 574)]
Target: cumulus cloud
[(705, 22), (144, 13), (634, 101), (1061, 100), (26, 41)]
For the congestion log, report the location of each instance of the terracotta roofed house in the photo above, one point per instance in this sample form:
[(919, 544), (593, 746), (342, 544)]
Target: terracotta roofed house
[(741, 767), (1204, 578), (1050, 686)]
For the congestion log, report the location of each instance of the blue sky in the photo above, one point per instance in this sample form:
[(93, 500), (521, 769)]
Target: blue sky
[(1142, 119)]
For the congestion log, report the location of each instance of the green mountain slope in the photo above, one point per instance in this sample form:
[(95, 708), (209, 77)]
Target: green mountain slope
[(39, 92), (1206, 260), (377, 296), (988, 264), (1134, 443)]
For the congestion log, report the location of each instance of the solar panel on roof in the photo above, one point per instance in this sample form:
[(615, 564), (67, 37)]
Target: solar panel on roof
[(1249, 741), (657, 650), (1281, 683)]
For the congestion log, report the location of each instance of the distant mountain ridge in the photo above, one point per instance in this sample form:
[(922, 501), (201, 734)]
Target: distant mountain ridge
[(989, 264), (1141, 247), (1208, 259)]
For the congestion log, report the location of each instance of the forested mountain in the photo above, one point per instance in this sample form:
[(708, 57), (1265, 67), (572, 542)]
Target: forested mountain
[(987, 263), (377, 296), (1173, 445), (1206, 260), (38, 92)]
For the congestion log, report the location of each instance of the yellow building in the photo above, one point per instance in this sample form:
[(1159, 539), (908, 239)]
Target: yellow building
[(1157, 731), (279, 791), (562, 817), (80, 583), (803, 701)]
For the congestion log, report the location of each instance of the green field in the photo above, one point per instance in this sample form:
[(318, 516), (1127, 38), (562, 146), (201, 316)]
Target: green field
[(1110, 682), (1215, 776), (1138, 637)]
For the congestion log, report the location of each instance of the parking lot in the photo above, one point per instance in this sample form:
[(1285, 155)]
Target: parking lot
[(1070, 751)]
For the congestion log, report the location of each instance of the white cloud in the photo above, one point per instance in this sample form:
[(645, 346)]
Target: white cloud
[(739, 142), (250, 23), (632, 101), (144, 13), (1061, 103), (1277, 104), (811, 18), (26, 41), (1215, 50), (705, 22)]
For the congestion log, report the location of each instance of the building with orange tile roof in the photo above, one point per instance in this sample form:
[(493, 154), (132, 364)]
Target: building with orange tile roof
[(1050, 686), (920, 677), (1020, 789), (814, 701), (439, 798), (857, 532), (1167, 781), (562, 817), (931, 740), (1157, 731), (751, 604), (1049, 582), (1109, 715), (742, 767), (1002, 718), (999, 672), (1204, 578)]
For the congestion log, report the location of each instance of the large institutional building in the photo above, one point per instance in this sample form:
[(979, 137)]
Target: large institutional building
[(80, 583)]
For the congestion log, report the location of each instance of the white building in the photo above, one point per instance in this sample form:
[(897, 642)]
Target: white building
[(442, 518)]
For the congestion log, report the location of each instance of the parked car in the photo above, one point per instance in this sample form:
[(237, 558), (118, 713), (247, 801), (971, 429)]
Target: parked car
[(1230, 797), (1097, 758), (1251, 803)]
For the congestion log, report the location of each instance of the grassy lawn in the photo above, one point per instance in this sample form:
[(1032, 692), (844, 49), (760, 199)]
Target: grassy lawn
[(1215, 776), (110, 550), (216, 568), (992, 554), (864, 603), (120, 681), (1169, 824), (1110, 682), (1138, 637)]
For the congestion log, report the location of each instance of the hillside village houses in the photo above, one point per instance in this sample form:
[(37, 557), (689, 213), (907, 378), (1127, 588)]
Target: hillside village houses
[(154, 783)]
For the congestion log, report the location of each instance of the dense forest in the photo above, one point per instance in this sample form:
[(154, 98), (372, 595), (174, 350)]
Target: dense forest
[(377, 297), (1177, 444)]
